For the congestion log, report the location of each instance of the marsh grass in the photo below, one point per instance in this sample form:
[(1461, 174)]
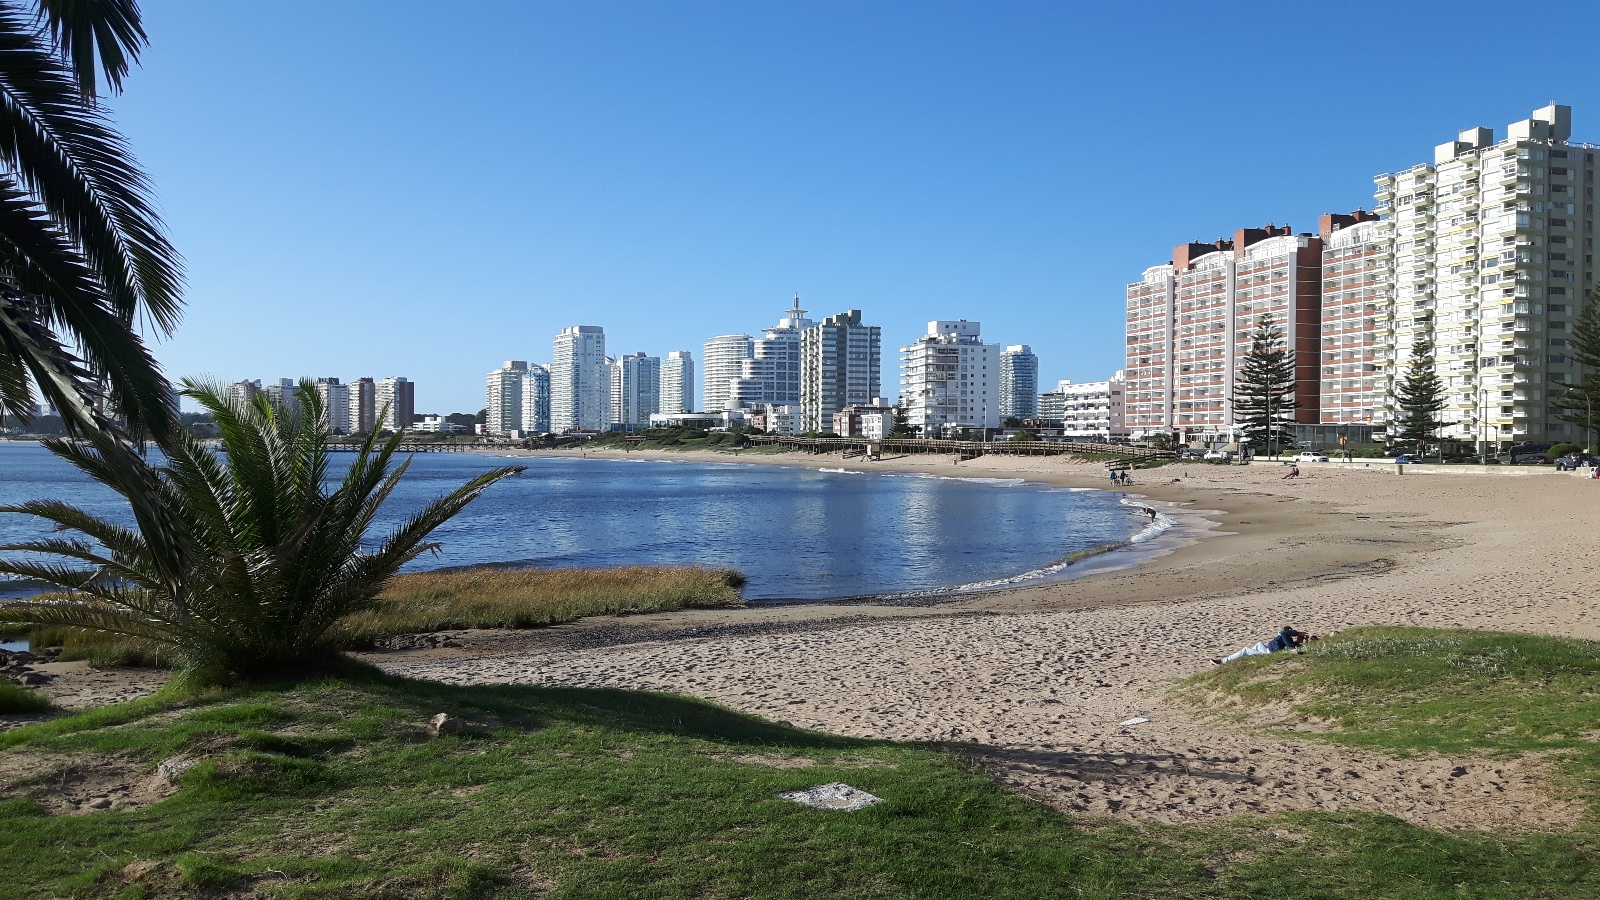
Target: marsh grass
[(14, 699), (528, 598)]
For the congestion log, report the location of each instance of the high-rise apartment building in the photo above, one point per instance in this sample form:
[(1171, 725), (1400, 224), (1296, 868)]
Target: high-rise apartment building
[(1019, 383), (1488, 252), (244, 391), (335, 404), (635, 390), (363, 411), (1353, 392), (770, 376), (536, 400), (580, 381), (1190, 321), (840, 359), (284, 394), (950, 377), (396, 402), (720, 367), (503, 398), (677, 383)]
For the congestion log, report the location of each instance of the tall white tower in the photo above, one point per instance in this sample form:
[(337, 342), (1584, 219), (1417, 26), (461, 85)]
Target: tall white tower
[(580, 381)]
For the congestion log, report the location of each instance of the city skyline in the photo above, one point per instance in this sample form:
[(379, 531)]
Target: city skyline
[(656, 175)]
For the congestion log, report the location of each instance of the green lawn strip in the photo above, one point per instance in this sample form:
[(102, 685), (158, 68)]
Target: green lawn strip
[(329, 789)]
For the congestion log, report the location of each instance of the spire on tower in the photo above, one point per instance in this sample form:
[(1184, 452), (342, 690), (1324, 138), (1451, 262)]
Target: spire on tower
[(796, 312)]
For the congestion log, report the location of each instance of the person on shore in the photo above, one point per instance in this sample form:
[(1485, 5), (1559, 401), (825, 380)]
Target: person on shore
[(1114, 480), (1294, 472), (1286, 639)]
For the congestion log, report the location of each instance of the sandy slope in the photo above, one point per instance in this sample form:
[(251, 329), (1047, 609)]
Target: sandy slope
[(1036, 680)]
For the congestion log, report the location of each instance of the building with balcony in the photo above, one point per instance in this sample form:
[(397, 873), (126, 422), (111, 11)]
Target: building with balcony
[(1019, 383), (840, 362), (1488, 253), (396, 400), (335, 398), (1354, 293), (363, 406), (950, 377), (635, 390), (1189, 326), (677, 383), (503, 398), (721, 366), (580, 381)]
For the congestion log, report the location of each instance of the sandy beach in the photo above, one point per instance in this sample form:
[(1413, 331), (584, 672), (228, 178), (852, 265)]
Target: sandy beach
[(1035, 681)]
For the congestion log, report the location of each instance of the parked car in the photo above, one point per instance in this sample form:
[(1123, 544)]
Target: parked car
[(1574, 460), (1403, 460), (1192, 453), (1218, 454), (1308, 456)]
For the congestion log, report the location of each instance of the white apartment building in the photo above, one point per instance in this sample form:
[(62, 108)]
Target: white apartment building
[(536, 400), (244, 391), (284, 394), (335, 398), (503, 398), (677, 383), (1091, 411), (950, 377), (721, 365), (396, 400), (1019, 383), (363, 409), (770, 376), (840, 363), (580, 381), (635, 390), (1488, 253)]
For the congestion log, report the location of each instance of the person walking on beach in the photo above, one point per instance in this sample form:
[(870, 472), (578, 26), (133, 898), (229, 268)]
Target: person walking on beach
[(1113, 474)]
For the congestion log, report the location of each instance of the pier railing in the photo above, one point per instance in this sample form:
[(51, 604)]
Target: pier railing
[(857, 446)]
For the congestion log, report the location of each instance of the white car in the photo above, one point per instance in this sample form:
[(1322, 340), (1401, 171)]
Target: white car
[(1308, 456), (1218, 454)]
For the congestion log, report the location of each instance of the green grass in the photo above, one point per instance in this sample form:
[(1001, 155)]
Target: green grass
[(1418, 689), (14, 699), (329, 789)]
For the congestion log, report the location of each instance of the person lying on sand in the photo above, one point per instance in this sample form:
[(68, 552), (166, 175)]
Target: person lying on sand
[(1294, 472), (1286, 639)]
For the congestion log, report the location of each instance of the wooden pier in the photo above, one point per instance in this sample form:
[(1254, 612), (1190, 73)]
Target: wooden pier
[(858, 446)]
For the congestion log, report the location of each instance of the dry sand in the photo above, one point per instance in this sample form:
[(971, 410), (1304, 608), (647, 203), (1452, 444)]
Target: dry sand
[(1035, 681)]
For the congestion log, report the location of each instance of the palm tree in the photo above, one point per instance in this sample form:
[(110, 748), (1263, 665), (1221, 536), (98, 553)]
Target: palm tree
[(241, 567), (83, 257)]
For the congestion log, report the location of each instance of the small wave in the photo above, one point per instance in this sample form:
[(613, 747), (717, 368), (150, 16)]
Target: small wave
[(1159, 524)]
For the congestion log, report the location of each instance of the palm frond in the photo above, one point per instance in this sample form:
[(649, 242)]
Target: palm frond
[(80, 28)]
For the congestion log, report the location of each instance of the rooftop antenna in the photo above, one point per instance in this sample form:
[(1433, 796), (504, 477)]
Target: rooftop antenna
[(796, 312)]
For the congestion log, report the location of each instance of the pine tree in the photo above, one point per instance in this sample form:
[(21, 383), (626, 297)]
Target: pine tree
[(1581, 400), (1420, 397), (902, 422), (1263, 395)]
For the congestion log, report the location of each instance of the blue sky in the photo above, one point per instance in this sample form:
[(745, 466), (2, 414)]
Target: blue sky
[(426, 189)]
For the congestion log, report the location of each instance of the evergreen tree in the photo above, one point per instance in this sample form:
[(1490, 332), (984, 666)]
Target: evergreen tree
[(902, 422), (1263, 395), (1420, 397), (1581, 401)]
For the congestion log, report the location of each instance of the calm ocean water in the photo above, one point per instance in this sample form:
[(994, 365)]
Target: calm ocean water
[(795, 533)]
